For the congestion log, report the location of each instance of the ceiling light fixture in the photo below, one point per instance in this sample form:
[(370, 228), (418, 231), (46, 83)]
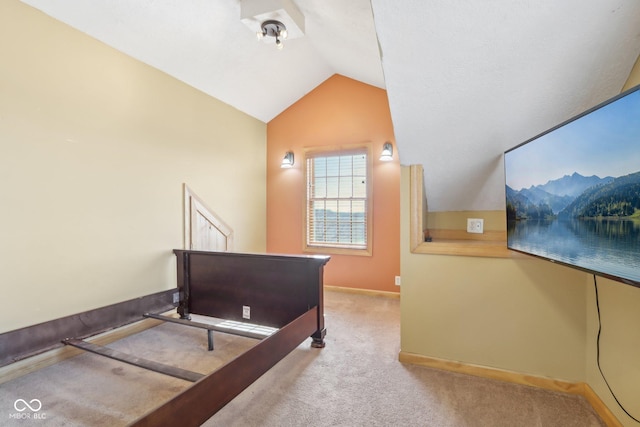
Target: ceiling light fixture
[(275, 29)]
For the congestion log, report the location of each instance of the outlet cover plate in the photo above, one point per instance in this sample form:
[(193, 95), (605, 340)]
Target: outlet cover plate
[(475, 225)]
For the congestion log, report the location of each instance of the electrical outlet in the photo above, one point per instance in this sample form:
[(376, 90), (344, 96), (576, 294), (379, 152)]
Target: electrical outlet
[(475, 225), (246, 312), (397, 280)]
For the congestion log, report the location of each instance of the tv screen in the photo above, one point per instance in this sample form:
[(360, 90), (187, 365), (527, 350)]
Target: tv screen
[(573, 192)]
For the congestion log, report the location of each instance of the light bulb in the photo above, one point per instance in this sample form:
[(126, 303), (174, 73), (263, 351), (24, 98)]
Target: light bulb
[(387, 152), (287, 161)]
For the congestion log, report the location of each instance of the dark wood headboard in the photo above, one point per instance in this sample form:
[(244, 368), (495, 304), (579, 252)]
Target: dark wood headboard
[(276, 288)]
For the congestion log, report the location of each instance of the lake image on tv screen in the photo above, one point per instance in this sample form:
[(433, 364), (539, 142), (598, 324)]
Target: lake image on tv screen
[(573, 193)]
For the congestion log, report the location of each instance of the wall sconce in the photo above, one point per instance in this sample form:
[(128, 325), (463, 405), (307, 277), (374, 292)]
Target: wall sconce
[(387, 152), (287, 161)]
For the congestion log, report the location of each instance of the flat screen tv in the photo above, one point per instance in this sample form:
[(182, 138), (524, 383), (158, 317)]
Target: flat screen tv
[(573, 192)]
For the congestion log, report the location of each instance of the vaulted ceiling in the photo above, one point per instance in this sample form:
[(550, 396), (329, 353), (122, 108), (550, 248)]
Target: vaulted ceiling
[(465, 79)]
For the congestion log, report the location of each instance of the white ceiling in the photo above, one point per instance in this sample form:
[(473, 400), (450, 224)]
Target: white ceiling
[(466, 79)]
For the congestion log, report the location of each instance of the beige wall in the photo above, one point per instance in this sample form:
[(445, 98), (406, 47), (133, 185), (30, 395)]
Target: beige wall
[(619, 346), (620, 336), (493, 220), (634, 76), (94, 149), (521, 314)]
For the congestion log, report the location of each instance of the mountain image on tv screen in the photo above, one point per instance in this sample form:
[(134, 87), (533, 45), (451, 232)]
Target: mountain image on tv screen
[(573, 192)]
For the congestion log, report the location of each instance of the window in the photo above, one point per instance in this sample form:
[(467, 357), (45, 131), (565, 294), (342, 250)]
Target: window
[(338, 214)]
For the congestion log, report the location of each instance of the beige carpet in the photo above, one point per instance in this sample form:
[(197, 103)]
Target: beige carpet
[(356, 380)]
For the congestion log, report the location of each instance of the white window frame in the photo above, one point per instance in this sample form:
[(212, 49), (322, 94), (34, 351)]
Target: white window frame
[(336, 248)]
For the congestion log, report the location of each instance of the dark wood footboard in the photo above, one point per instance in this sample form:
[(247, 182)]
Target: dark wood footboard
[(269, 290)]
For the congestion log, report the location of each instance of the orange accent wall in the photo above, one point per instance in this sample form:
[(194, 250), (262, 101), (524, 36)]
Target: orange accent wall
[(340, 111)]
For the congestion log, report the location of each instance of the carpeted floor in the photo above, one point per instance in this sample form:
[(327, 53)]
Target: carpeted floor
[(356, 380)]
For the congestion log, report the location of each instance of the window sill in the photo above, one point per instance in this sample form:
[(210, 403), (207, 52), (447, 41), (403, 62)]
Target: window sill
[(458, 242), (328, 250)]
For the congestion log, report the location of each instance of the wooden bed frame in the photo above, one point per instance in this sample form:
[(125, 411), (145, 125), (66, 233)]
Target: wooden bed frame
[(280, 291)]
